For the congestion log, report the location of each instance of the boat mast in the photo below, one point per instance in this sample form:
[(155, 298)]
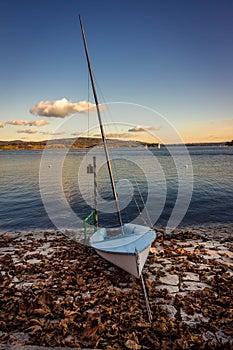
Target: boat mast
[(101, 125)]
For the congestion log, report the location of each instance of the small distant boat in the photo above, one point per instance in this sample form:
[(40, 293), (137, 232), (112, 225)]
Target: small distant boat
[(126, 246)]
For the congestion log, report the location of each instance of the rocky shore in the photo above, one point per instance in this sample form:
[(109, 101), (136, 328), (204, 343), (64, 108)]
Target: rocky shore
[(55, 293)]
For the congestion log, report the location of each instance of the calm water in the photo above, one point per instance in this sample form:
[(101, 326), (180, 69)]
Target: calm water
[(154, 177)]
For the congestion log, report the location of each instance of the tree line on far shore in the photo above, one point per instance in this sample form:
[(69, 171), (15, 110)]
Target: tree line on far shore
[(85, 142), (229, 143)]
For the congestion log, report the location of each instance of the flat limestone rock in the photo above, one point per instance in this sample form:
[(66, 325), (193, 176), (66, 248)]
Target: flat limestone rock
[(171, 310), (33, 261), (170, 289), (204, 267), (172, 280), (191, 276), (192, 286), (193, 319)]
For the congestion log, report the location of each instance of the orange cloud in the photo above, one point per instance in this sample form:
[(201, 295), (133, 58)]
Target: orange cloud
[(27, 131), (28, 123)]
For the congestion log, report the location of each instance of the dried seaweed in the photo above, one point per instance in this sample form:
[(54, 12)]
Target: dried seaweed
[(73, 298)]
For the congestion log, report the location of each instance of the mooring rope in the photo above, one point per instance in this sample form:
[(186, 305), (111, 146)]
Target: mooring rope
[(147, 300)]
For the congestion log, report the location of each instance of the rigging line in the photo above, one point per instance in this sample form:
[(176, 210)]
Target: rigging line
[(106, 123), (137, 205), (88, 99), (101, 126), (104, 100), (112, 121), (143, 202), (88, 127), (108, 131)]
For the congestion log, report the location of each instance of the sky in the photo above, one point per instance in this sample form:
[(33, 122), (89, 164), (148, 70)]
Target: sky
[(162, 68)]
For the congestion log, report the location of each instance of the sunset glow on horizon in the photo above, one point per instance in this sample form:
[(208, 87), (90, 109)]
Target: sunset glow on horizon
[(174, 58)]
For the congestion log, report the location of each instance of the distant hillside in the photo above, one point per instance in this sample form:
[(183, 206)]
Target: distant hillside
[(216, 144), (81, 142), (89, 142)]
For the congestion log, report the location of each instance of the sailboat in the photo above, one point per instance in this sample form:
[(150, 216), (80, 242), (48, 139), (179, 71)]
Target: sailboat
[(126, 246)]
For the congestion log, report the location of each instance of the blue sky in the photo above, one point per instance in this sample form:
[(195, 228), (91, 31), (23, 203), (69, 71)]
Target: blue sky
[(174, 57)]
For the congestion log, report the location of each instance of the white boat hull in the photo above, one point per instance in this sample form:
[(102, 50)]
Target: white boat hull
[(131, 263), (128, 251)]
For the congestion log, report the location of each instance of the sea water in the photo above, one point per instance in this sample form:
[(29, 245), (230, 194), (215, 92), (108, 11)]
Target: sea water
[(33, 188)]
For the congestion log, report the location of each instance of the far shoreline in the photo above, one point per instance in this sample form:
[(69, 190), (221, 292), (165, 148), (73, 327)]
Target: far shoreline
[(90, 142), (158, 228)]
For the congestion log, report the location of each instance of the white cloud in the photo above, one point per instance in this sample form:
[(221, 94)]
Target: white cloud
[(18, 122), (62, 108), (1, 125), (27, 131), (141, 128), (28, 123), (38, 123)]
